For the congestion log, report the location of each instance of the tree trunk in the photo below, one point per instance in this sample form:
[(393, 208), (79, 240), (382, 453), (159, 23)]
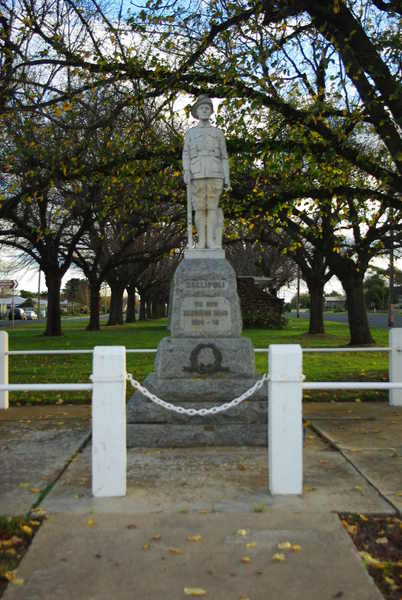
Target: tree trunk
[(94, 306), (148, 309), (316, 290), (142, 309), (116, 303), (130, 315), (53, 316), (357, 313)]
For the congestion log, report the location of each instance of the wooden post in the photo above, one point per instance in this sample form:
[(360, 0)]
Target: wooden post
[(285, 426), (109, 452), (3, 369)]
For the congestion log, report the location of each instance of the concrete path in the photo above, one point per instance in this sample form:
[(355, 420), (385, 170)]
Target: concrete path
[(110, 548), (149, 557)]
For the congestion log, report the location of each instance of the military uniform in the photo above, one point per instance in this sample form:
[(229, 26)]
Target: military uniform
[(206, 165)]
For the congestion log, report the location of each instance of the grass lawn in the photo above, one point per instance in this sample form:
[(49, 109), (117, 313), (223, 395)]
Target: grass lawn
[(77, 368)]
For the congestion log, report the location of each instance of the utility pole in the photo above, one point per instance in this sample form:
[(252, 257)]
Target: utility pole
[(298, 293)]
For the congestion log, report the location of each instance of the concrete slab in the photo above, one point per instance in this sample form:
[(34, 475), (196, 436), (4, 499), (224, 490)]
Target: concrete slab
[(370, 437), (220, 479), (35, 445), (150, 558)]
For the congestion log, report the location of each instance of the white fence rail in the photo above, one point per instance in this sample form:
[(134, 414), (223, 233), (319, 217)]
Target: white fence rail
[(285, 390)]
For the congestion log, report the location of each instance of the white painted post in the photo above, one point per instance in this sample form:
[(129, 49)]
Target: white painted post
[(4, 368), (285, 426), (109, 452), (395, 365)]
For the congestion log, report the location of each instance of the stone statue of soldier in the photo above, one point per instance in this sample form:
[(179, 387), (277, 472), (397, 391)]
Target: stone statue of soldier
[(206, 171)]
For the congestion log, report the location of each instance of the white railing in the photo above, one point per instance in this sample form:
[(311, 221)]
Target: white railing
[(285, 392)]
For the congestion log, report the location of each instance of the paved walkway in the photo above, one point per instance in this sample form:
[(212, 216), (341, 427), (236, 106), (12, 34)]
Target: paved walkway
[(138, 546)]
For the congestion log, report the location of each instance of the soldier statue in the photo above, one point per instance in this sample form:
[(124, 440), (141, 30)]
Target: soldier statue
[(206, 173)]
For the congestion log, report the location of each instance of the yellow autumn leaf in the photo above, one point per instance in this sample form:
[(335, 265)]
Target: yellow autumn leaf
[(17, 581), (23, 485), (279, 557), (284, 546), (194, 592), (35, 523), (146, 547), (363, 518), (242, 532), (296, 547), (194, 538), (251, 544), (35, 490), (12, 541), (371, 561), (91, 522), (156, 537), (26, 529), (174, 550), (381, 540), (245, 559), (11, 552)]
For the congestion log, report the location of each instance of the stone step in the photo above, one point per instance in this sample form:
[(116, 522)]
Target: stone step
[(185, 436)]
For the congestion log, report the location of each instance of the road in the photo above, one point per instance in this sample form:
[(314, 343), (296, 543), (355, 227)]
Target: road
[(375, 319)]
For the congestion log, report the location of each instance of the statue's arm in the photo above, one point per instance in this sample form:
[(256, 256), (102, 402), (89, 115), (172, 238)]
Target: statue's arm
[(186, 159), (225, 162)]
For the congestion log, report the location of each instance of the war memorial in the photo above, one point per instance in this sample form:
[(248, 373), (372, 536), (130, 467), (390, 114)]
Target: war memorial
[(205, 361)]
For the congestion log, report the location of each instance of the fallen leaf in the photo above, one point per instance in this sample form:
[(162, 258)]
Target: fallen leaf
[(26, 529), (279, 557), (10, 551), (17, 581), (371, 561), (91, 522), (245, 559), (35, 490), (284, 546), (359, 488), (308, 488), (363, 518), (242, 532), (251, 544), (323, 462), (391, 583), (174, 550), (131, 526), (35, 523), (194, 538), (296, 547), (381, 540), (146, 547), (156, 537), (194, 592), (12, 541), (352, 529), (242, 467), (23, 485)]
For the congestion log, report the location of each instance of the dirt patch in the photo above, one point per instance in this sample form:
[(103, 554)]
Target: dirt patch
[(16, 535), (379, 542)]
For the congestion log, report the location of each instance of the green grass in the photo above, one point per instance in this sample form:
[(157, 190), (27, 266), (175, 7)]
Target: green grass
[(77, 368)]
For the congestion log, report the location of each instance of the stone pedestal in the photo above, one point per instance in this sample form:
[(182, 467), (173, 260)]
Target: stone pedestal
[(204, 362)]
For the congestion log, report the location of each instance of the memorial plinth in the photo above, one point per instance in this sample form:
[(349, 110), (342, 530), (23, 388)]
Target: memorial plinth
[(204, 362)]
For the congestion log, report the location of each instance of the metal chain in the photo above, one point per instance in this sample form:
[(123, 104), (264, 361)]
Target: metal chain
[(202, 412)]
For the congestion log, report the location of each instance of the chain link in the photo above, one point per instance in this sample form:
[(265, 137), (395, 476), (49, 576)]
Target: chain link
[(202, 412)]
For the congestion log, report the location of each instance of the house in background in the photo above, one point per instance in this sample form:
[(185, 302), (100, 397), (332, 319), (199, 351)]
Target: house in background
[(334, 302)]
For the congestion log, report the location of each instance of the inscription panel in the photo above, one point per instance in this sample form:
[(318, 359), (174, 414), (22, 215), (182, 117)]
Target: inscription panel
[(205, 284), (206, 315)]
